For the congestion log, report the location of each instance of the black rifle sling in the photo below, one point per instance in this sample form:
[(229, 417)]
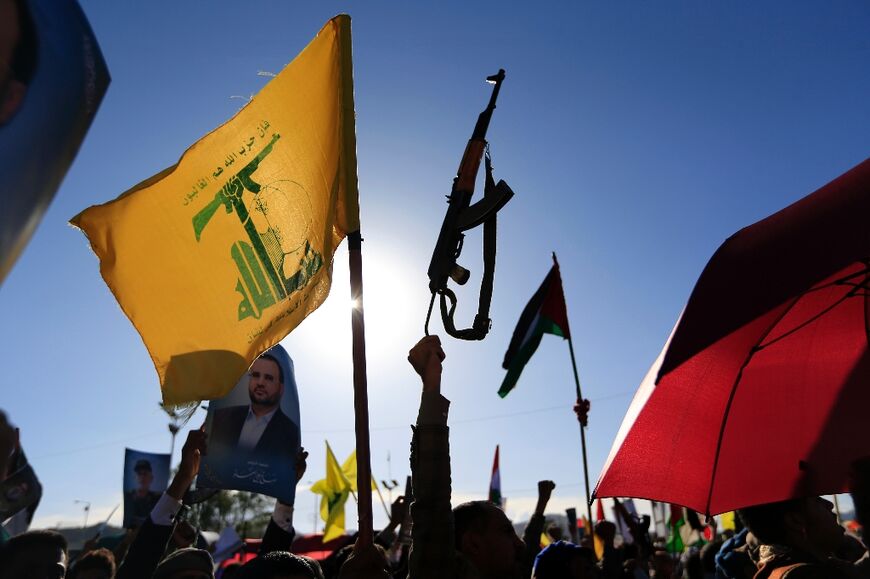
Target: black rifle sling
[(482, 323)]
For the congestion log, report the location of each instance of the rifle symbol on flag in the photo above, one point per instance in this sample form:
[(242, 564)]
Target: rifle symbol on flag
[(261, 262)]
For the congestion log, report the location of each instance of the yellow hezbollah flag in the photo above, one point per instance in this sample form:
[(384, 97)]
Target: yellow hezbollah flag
[(219, 257), (349, 470), (334, 488)]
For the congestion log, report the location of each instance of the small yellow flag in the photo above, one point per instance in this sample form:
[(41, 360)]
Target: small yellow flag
[(219, 257), (334, 490), (728, 523), (598, 545), (545, 539), (349, 470)]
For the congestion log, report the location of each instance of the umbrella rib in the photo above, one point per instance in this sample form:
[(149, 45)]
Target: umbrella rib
[(737, 379), (844, 280), (849, 294)]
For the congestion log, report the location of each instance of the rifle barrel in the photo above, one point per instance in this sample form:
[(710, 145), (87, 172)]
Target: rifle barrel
[(483, 120)]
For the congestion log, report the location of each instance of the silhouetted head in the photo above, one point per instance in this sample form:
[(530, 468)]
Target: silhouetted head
[(277, 565), (564, 560), (808, 524), (34, 554), (185, 564), (554, 531), (486, 537), (97, 564)]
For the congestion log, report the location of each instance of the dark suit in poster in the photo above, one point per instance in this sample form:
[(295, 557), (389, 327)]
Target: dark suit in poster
[(266, 466), (279, 439)]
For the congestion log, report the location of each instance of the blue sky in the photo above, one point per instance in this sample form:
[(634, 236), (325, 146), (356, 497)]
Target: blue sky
[(637, 137)]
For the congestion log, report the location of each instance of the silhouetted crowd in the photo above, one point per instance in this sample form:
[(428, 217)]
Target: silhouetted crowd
[(795, 539)]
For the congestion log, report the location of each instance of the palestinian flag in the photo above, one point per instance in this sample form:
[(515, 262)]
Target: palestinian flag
[(675, 542), (495, 482), (544, 314)]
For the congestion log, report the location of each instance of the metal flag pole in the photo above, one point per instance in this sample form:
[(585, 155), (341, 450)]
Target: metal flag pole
[(579, 400), (582, 437), (383, 504), (380, 496), (360, 393)]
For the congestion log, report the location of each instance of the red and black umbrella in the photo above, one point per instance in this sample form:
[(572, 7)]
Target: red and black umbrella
[(762, 392)]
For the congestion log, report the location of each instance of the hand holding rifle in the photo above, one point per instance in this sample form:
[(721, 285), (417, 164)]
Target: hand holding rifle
[(426, 357)]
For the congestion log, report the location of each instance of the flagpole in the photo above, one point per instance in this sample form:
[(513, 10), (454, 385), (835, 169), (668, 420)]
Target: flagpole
[(582, 428), (383, 504), (582, 434), (360, 393)]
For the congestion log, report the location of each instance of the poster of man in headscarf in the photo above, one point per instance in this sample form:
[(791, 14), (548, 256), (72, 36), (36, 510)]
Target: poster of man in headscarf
[(254, 431), (52, 79), (146, 476)]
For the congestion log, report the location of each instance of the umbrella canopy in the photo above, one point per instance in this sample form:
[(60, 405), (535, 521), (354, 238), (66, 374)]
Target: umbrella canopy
[(762, 392)]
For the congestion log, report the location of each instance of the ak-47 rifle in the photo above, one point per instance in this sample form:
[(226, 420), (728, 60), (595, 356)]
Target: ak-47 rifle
[(462, 216)]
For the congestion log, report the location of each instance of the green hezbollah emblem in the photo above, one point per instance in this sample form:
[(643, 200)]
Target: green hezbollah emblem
[(261, 262)]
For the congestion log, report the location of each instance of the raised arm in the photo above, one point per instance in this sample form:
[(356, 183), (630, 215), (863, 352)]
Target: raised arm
[(433, 552), (280, 533), (532, 533), (147, 549)]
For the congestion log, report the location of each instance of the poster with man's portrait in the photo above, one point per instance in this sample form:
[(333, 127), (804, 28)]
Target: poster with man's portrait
[(254, 431), (52, 80), (146, 476)]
